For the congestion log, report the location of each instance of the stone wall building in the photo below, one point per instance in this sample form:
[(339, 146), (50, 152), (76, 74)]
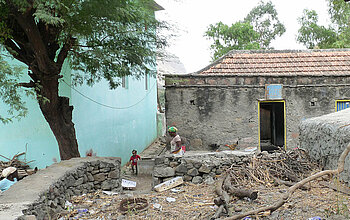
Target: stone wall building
[(257, 97)]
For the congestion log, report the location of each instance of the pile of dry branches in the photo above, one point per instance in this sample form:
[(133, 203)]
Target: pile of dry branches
[(22, 167), (277, 168), (292, 168)]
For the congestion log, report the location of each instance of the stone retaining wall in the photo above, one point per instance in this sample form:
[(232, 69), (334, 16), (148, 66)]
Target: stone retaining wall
[(197, 167), (326, 137), (46, 192)]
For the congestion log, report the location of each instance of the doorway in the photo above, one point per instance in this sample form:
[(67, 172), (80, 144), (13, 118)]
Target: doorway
[(272, 125)]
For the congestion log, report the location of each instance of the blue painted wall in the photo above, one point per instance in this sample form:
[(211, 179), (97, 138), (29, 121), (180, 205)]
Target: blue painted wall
[(129, 124), (113, 122), (31, 134), (110, 122)]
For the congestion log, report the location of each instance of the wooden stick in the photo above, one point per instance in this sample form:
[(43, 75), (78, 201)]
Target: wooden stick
[(5, 157)]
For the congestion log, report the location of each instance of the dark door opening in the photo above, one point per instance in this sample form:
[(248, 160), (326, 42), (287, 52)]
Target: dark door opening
[(272, 125)]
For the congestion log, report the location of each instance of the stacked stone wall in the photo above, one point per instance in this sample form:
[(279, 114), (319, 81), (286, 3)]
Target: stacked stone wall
[(44, 194), (197, 168), (87, 178)]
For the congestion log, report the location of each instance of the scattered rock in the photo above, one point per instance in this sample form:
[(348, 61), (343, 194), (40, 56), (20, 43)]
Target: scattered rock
[(193, 172), (197, 180), (163, 172), (209, 180)]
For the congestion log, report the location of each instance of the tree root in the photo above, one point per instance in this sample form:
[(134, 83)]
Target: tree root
[(278, 181), (223, 189)]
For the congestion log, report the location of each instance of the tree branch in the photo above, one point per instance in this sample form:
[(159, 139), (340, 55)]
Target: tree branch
[(31, 84), (19, 52), (29, 27), (64, 51)]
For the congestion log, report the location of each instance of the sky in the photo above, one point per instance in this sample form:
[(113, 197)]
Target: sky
[(191, 19)]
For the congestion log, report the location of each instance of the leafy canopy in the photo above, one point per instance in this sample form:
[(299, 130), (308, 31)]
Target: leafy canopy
[(238, 36), (336, 35), (101, 38), (10, 93), (264, 19), (256, 31)]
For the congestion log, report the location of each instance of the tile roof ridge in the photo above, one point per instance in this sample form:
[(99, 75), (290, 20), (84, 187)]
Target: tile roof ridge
[(272, 51)]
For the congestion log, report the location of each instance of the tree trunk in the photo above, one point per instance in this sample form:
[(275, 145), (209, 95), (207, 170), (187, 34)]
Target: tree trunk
[(36, 44), (58, 113)]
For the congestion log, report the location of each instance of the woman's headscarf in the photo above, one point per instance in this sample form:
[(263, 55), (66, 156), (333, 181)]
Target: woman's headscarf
[(172, 129)]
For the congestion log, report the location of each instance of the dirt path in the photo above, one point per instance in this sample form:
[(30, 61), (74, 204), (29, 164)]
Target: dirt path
[(143, 182)]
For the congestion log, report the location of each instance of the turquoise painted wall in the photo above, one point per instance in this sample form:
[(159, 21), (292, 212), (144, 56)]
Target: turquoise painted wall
[(113, 122), (129, 124), (31, 134)]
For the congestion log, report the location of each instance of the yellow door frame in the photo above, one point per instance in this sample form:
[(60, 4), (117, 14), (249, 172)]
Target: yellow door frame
[(340, 100), (285, 125)]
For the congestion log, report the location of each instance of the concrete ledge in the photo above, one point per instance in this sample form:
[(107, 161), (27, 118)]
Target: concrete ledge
[(45, 192), (146, 166), (326, 137)]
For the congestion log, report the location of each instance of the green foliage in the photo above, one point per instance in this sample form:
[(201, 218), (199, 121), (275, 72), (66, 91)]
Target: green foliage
[(10, 92), (336, 35), (238, 36), (311, 34), (258, 29), (103, 39), (114, 44), (109, 38), (264, 19)]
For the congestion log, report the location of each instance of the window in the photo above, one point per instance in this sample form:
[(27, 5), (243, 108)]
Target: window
[(147, 80), (341, 104), (125, 82)]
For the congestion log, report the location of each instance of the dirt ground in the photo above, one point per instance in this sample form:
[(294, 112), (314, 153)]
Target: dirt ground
[(191, 201)]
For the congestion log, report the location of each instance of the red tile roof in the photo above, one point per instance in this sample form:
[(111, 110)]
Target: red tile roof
[(281, 63)]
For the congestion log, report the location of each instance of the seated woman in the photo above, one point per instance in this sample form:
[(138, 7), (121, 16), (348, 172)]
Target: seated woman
[(176, 146), (10, 176)]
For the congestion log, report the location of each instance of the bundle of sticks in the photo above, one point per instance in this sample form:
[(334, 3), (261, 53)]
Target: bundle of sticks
[(283, 167), (23, 167)]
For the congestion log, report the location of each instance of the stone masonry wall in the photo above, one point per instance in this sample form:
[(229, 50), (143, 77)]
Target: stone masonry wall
[(326, 137), (47, 191), (222, 109), (197, 167)]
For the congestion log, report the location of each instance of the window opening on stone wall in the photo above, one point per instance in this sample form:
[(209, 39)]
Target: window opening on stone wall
[(313, 102), (272, 125)]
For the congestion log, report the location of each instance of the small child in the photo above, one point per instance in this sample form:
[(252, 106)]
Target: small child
[(134, 158)]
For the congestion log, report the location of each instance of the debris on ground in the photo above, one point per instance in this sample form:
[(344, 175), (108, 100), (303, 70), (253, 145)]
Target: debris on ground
[(128, 184), (293, 166), (23, 167), (191, 200), (197, 201), (169, 184)]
